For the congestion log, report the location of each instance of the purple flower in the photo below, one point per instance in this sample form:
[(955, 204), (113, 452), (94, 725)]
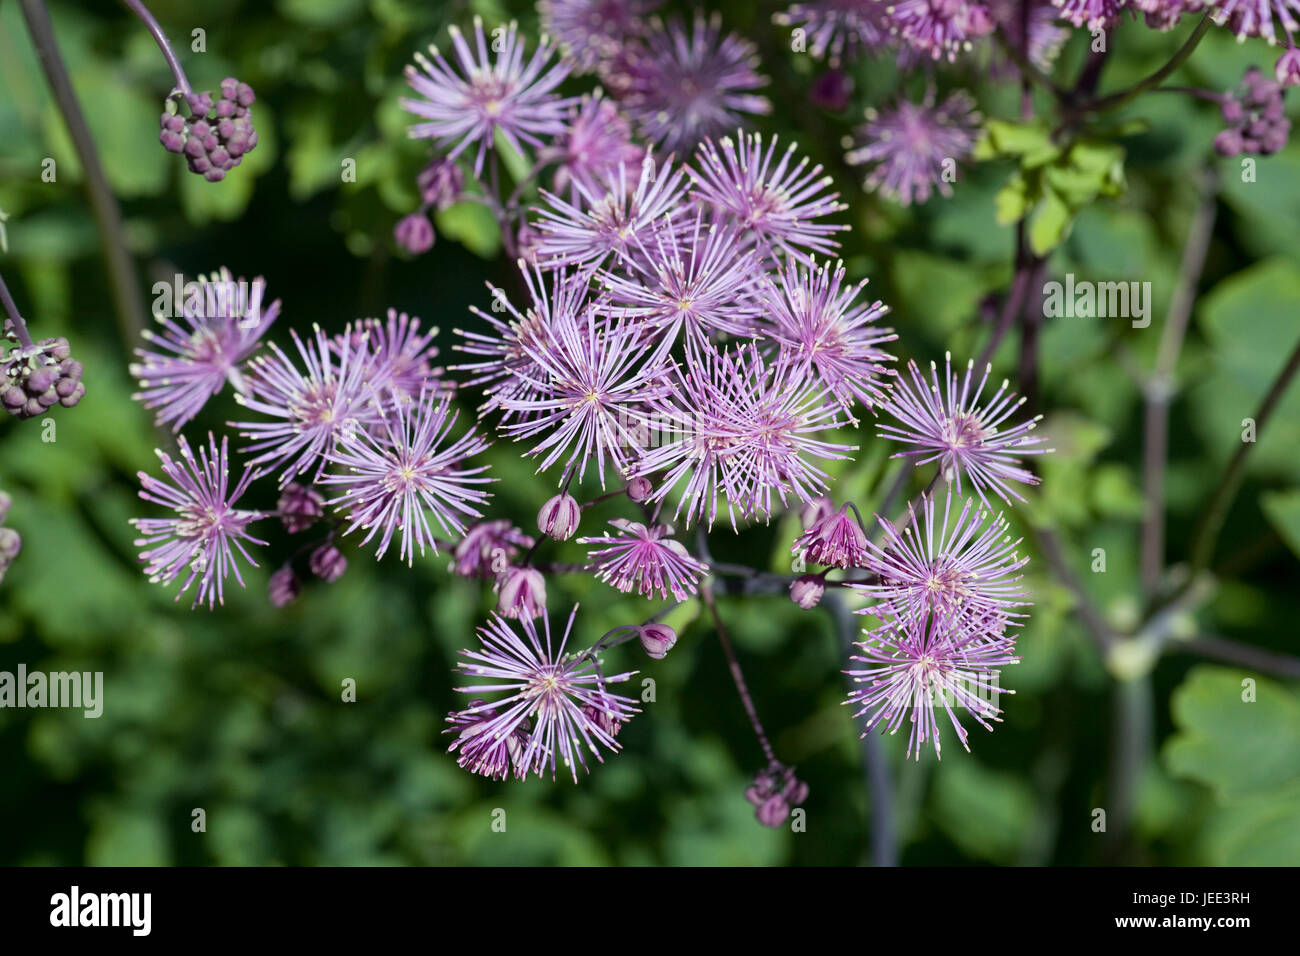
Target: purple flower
[(400, 354), (506, 369), (1046, 34), (815, 320), (308, 411), (220, 326), (656, 640), (471, 104), (393, 477), (1094, 14), (283, 588), (1255, 17), (521, 593), (559, 517), (745, 428), (611, 222), (949, 425), (1287, 69), (488, 548), (698, 279), (836, 540), (441, 183), (914, 148), (207, 530), (807, 590), (681, 88), (939, 27), (592, 377), (835, 28), (327, 563), (917, 663), (773, 792), (557, 695), (957, 567), (299, 507), (645, 559), (492, 757), (414, 233), (592, 147), (590, 31), (777, 203)]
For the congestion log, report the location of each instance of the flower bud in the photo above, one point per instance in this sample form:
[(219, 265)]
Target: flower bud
[(300, 506), (521, 592), (640, 489), (327, 562), (815, 510), (5, 502), (559, 517), (414, 233), (657, 640), (807, 590), (283, 587)]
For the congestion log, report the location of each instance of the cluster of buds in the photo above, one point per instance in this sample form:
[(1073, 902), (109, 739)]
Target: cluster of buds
[(1256, 118), (774, 792), (10, 541), (36, 378), (218, 132)]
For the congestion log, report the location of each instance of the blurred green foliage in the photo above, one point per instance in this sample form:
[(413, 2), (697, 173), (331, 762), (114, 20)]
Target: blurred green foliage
[(239, 712)]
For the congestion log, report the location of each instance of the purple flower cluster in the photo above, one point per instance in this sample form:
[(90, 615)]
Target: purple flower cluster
[(36, 377), (1255, 118), (11, 542), (218, 132), (365, 413)]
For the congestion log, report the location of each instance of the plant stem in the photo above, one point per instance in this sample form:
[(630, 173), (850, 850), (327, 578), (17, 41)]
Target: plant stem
[(1158, 391), (1230, 652), (1212, 518), (1121, 98), (875, 766), (108, 217), (141, 11), (15, 317), (1130, 751), (706, 594)]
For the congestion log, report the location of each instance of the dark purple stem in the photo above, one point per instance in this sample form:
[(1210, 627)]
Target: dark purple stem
[(706, 594), (15, 318), (141, 11)]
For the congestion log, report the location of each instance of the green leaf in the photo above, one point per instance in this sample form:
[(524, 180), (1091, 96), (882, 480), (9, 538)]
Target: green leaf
[(986, 812), (1283, 511), (1236, 747), (1012, 200), (473, 225), (1048, 223)]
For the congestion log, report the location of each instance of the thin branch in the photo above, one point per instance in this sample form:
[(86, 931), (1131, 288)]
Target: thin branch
[(706, 594), (1230, 652), (875, 766), (1212, 518), (103, 204), (1158, 390), (14, 316), (178, 73), (1092, 617)]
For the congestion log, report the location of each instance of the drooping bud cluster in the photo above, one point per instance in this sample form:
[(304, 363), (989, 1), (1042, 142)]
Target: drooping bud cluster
[(33, 380), (1255, 117), (774, 792), (218, 132), (10, 541)]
